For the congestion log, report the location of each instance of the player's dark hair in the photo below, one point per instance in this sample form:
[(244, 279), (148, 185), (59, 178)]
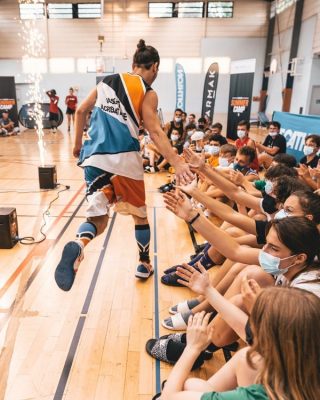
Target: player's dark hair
[(145, 56)]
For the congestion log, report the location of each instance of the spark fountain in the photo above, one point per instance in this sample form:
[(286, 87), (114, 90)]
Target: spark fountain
[(34, 48)]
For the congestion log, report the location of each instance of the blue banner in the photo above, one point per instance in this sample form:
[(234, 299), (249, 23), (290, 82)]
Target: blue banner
[(295, 127), (180, 87)]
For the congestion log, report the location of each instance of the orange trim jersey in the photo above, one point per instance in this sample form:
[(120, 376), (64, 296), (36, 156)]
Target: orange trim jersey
[(112, 144)]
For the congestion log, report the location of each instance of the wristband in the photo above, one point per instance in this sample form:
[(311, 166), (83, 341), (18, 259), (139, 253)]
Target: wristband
[(194, 219)]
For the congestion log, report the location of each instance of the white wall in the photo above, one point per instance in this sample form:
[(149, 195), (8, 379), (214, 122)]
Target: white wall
[(281, 48)]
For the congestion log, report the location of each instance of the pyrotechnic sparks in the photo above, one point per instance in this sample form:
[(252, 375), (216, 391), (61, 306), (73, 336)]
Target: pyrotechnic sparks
[(33, 47)]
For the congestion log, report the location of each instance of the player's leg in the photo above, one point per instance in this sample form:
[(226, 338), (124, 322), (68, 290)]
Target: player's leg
[(130, 194), (97, 214), (142, 235)]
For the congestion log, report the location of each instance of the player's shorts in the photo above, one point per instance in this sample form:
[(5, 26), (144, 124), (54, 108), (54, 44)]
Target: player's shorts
[(53, 117), (105, 189), (70, 111)]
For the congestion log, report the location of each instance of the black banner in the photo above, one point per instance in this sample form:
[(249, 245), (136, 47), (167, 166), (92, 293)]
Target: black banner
[(26, 119), (8, 98), (240, 95), (210, 91)]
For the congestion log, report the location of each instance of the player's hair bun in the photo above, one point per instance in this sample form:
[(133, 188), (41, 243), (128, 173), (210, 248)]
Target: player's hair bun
[(141, 45)]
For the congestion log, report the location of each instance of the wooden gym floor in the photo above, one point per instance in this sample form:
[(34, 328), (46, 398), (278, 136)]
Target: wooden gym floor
[(87, 343)]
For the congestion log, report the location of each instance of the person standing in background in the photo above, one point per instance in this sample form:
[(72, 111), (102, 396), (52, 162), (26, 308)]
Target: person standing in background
[(71, 103), (53, 109)]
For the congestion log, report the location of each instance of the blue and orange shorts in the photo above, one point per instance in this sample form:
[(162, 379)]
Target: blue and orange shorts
[(105, 189)]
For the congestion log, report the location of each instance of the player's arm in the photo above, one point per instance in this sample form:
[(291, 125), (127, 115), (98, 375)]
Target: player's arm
[(80, 119), (152, 125)]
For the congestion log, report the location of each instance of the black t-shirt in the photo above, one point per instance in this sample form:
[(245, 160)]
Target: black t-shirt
[(312, 164), (261, 232), (277, 141), (223, 140)]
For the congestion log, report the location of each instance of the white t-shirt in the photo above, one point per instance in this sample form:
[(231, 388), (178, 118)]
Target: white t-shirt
[(309, 281)]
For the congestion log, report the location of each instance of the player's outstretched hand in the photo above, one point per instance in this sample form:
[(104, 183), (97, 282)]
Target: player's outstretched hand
[(196, 161), (183, 173)]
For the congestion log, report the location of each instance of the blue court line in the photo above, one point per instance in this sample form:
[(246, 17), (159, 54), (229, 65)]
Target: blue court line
[(78, 331), (156, 295)]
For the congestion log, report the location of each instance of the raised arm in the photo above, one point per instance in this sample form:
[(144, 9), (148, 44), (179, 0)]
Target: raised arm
[(221, 210), (152, 124), (179, 204), (229, 189)]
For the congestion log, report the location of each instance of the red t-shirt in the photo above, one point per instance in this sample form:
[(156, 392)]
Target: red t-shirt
[(54, 104), (71, 102), (244, 142)]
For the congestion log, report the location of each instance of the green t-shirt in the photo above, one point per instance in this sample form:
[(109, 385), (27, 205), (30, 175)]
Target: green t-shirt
[(260, 184), (253, 392)]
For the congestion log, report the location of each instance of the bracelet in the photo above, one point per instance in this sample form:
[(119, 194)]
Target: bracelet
[(194, 219)]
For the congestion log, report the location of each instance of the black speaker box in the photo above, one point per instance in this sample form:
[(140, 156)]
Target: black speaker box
[(8, 228), (47, 177)]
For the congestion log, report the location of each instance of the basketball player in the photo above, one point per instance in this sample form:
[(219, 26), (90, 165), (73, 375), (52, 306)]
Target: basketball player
[(110, 157)]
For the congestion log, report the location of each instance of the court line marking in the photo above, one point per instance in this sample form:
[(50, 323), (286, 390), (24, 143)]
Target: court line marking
[(156, 295), (29, 256), (59, 394)]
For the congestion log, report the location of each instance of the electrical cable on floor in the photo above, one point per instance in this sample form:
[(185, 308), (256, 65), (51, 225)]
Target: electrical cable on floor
[(28, 240)]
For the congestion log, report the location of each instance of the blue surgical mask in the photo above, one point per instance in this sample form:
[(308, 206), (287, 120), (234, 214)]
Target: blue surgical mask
[(241, 134), (238, 167), (271, 264), (268, 187), (308, 150), (281, 214)]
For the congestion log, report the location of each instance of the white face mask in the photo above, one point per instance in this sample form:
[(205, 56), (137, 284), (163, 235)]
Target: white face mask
[(268, 187), (273, 134), (174, 138), (281, 214), (223, 162), (177, 119), (241, 134), (190, 133), (211, 149), (308, 150)]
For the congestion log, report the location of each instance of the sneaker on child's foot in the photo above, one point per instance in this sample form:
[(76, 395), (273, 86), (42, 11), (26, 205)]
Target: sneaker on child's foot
[(144, 270), (65, 272)]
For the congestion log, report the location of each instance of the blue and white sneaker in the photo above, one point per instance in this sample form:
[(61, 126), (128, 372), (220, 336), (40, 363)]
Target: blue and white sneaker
[(66, 270), (144, 270)]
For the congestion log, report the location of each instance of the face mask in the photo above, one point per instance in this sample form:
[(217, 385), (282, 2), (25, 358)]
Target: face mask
[(177, 119), (273, 134), (308, 150), (271, 264), (223, 162), (215, 150), (241, 134), (281, 214), (198, 148), (190, 133), (174, 138), (238, 167), (269, 187), (200, 126)]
